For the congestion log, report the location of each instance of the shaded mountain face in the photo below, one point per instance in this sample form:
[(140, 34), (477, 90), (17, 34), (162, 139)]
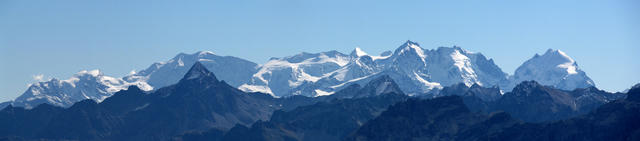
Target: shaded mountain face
[(446, 118), (482, 93), (197, 102), (4, 104), (617, 120), (443, 118), (322, 121), (332, 118), (533, 102), (378, 86), (553, 68), (18, 122)]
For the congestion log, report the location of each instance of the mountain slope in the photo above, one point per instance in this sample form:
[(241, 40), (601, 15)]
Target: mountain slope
[(614, 121), (233, 70), (331, 119), (199, 101), (416, 70), (96, 86), (553, 68), (443, 118), (446, 118), (83, 85), (279, 75), (532, 102)]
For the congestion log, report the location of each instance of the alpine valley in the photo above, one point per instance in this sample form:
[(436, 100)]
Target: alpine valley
[(410, 93)]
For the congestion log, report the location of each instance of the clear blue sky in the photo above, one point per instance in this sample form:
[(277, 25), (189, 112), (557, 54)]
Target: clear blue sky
[(60, 38)]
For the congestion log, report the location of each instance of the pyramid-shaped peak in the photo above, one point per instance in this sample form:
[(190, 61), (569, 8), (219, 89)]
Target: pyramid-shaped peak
[(409, 42), (553, 58), (411, 49), (529, 84), (410, 45), (198, 71), (383, 84), (554, 53), (357, 52)]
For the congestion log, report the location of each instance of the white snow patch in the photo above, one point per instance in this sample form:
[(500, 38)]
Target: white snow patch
[(463, 64), (379, 57), (341, 74), (359, 52), (419, 51), (430, 85), (350, 81), (571, 69), (205, 53), (256, 88), (322, 93), (180, 63)]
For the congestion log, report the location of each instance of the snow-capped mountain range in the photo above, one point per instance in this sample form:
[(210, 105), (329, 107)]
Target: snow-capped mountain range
[(415, 69), (82, 85)]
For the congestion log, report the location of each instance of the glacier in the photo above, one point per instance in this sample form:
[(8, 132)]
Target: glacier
[(417, 70)]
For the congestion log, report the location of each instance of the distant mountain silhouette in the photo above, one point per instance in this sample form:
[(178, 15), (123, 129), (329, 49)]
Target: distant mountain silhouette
[(446, 118), (531, 101), (202, 107), (330, 120)]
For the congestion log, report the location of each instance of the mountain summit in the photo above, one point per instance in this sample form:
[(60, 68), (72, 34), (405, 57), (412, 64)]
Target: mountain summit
[(554, 68), (198, 71), (233, 70)]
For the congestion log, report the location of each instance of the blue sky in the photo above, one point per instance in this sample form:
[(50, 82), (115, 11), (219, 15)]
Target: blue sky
[(60, 38)]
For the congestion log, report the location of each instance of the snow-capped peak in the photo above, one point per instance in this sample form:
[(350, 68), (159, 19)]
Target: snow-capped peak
[(554, 68), (205, 53), (569, 63), (357, 52), (559, 59), (410, 47), (94, 73), (558, 53)]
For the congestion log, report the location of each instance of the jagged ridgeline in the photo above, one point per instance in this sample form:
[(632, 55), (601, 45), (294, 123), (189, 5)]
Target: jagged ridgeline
[(200, 106), (416, 70)]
